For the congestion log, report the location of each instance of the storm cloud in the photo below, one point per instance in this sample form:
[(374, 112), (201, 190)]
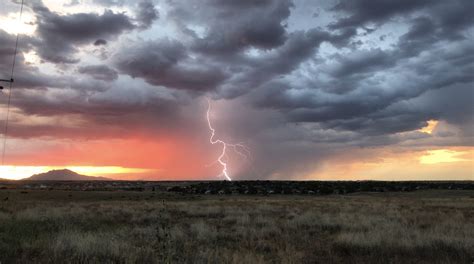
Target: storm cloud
[(59, 36), (99, 72)]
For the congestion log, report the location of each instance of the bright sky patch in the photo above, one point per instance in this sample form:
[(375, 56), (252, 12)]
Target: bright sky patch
[(442, 156)]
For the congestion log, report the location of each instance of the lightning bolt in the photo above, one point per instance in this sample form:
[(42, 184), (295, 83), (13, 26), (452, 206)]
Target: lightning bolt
[(238, 148)]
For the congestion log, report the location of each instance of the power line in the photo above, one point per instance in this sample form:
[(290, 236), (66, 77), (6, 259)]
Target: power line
[(5, 131)]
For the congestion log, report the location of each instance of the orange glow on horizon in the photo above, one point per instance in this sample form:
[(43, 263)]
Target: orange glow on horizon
[(106, 170), (20, 172), (386, 164), (142, 158), (442, 156)]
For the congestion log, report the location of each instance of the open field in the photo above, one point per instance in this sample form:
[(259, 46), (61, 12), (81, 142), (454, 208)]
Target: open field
[(61, 226)]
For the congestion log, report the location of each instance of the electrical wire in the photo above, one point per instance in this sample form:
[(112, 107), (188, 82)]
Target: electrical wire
[(5, 131)]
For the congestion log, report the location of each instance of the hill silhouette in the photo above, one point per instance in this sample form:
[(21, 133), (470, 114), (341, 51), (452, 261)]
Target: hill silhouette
[(64, 175)]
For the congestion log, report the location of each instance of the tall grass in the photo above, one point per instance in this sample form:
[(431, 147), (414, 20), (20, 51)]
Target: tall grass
[(337, 229)]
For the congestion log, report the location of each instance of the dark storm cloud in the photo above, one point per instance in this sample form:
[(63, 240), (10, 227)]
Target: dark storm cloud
[(357, 87), (166, 63), (371, 106), (146, 14), (361, 62), (99, 72), (453, 104), (59, 35), (247, 24), (364, 90), (110, 2), (421, 27), (300, 46), (100, 42), (7, 49), (449, 17), (102, 112), (29, 76), (279, 62), (234, 25), (25, 75), (360, 12), (69, 101), (453, 17), (147, 58)]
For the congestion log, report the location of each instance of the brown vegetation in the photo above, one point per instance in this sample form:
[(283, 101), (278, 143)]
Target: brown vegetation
[(153, 227)]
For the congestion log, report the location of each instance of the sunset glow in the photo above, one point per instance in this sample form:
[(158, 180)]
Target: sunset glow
[(428, 129), (384, 164), (20, 172), (106, 170), (442, 156)]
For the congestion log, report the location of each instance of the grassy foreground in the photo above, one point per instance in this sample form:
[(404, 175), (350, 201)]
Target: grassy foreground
[(149, 227)]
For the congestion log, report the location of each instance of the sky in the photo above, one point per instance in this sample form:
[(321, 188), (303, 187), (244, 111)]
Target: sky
[(315, 89)]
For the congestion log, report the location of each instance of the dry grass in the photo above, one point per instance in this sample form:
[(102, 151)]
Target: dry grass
[(38, 227)]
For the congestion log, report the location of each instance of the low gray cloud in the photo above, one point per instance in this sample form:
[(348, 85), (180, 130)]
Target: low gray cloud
[(59, 35), (166, 63), (233, 26), (100, 42), (109, 3), (368, 106), (146, 14), (99, 72), (359, 12)]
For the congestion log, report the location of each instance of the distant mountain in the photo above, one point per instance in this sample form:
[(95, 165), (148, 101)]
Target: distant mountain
[(64, 175)]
